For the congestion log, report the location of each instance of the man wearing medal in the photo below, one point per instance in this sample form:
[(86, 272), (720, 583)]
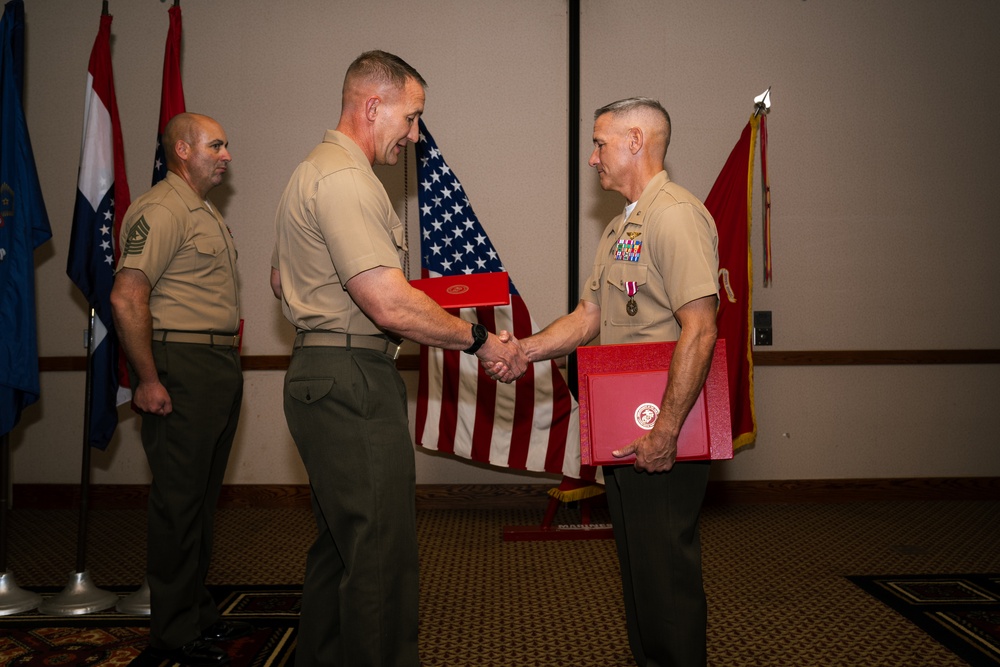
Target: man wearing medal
[(655, 279)]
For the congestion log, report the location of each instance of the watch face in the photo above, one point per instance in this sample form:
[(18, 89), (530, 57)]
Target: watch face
[(479, 336)]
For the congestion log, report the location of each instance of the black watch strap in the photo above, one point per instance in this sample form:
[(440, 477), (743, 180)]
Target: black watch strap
[(479, 336)]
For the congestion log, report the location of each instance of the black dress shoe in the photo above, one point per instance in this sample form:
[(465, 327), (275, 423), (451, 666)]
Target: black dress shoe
[(223, 631), (197, 653)]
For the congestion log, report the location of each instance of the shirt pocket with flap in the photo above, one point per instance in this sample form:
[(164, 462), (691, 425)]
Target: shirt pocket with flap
[(619, 275), (209, 261)]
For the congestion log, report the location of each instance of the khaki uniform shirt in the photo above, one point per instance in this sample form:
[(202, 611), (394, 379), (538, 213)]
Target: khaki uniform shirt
[(668, 248), (334, 221), (186, 251)]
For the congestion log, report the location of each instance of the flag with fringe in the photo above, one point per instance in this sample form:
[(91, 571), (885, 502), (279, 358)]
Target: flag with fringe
[(532, 424), (730, 203)]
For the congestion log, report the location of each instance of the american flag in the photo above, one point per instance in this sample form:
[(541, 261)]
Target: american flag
[(101, 200), (532, 424)]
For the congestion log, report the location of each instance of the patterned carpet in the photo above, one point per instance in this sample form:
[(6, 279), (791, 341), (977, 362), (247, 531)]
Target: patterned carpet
[(961, 611), (109, 639), (775, 575)]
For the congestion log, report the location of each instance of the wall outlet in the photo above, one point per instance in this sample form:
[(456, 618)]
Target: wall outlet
[(762, 331)]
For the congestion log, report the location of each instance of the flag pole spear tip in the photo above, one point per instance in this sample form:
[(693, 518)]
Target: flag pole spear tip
[(104, 8), (762, 103)]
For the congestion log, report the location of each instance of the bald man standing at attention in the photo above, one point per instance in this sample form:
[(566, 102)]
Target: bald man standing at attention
[(176, 309)]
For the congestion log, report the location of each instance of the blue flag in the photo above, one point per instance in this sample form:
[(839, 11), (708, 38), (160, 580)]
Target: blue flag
[(24, 225), (101, 200)]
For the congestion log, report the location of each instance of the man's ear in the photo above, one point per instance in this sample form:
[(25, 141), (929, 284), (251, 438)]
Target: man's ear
[(635, 139), (371, 107), (182, 149)]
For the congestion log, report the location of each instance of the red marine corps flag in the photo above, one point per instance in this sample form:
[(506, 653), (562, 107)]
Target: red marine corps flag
[(729, 202), (532, 424)]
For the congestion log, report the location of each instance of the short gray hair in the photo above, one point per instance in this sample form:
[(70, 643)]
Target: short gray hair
[(630, 104)]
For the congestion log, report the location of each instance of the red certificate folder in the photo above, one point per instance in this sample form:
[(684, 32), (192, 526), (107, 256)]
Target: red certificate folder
[(621, 388), (467, 291)]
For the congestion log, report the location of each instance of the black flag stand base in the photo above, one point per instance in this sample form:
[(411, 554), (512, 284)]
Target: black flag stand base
[(14, 600), (81, 596), (136, 604)]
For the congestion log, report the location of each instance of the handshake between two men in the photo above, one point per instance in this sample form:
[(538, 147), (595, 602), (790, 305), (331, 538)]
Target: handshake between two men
[(511, 361)]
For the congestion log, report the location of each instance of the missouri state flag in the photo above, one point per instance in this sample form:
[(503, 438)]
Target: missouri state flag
[(532, 424), (101, 201), (24, 225)]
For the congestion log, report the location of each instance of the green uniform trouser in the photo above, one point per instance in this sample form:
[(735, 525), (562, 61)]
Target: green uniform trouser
[(655, 520), (347, 411), (187, 452)]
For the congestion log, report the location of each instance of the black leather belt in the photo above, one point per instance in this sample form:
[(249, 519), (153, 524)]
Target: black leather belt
[(347, 341), (216, 339)]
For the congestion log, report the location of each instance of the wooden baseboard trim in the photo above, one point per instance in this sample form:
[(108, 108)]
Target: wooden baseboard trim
[(533, 496), (411, 362)]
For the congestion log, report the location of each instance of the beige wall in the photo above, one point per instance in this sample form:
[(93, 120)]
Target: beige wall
[(881, 164)]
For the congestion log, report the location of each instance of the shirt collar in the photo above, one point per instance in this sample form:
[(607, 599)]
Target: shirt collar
[(338, 138)]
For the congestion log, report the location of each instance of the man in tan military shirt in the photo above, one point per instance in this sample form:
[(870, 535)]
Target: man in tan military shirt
[(654, 279), (176, 310), (339, 252)]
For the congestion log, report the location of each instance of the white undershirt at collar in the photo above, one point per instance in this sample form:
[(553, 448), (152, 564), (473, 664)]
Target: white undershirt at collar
[(629, 208)]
